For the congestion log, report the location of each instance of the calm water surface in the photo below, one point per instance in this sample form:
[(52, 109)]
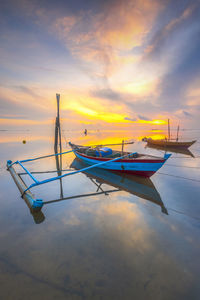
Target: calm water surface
[(138, 240)]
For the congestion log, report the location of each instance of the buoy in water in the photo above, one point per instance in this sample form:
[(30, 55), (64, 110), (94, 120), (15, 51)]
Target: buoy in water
[(24, 142)]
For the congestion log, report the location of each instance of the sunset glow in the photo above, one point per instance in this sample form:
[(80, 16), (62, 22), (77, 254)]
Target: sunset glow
[(119, 63), (156, 136)]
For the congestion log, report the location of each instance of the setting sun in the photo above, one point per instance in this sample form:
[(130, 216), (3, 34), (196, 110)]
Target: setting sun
[(159, 122)]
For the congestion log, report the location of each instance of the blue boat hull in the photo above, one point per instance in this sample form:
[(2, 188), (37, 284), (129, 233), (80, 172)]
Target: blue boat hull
[(141, 167)]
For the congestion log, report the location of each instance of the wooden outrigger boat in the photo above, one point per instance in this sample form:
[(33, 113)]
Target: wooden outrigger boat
[(125, 162), (170, 143)]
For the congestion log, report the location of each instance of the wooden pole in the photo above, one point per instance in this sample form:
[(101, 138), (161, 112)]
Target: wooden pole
[(57, 125), (122, 147), (177, 133), (58, 105), (168, 130), (56, 137), (58, 141)]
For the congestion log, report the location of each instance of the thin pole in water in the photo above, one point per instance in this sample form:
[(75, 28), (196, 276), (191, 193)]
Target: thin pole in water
[(177, 133), (58, 105), (57, 124), (58, 141), (168, 130)]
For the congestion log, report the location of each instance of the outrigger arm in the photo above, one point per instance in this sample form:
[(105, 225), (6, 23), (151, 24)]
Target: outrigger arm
[(25, 191), (33, 204)]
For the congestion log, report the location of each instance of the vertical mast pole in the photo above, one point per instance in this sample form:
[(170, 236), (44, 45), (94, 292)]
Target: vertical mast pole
[(58, 105), (122, 147), (58, 117), (58, 140)]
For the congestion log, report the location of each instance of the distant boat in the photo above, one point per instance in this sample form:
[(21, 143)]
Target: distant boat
[(138, 186), (125, 162), (180, 150), (169, 142)]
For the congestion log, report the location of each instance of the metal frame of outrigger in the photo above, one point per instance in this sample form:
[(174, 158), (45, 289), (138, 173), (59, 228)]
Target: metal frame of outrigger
[(36, 204)]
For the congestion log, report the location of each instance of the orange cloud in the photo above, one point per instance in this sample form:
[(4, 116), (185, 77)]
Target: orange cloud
[(83, 105), (154, 122), (121, 26), (111, 137), (87, 109), (29, 95), (156, 136)]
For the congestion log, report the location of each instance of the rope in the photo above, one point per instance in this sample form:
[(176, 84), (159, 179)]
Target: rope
[(196, 180), (184, 157), (182, 213), (182, 166)]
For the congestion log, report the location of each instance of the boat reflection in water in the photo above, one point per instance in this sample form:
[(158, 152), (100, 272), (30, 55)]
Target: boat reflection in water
[(184, 151), (136, 185)]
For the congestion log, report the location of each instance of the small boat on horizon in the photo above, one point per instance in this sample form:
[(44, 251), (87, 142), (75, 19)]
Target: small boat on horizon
[(125, 162), (168, 142), (180, 150)]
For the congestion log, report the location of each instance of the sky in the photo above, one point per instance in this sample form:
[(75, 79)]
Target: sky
[(116, 64)]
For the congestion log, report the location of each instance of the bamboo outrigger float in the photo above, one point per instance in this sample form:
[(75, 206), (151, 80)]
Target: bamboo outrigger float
[(33, 204)]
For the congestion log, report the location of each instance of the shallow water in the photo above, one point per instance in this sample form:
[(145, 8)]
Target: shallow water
[(138, 240)]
